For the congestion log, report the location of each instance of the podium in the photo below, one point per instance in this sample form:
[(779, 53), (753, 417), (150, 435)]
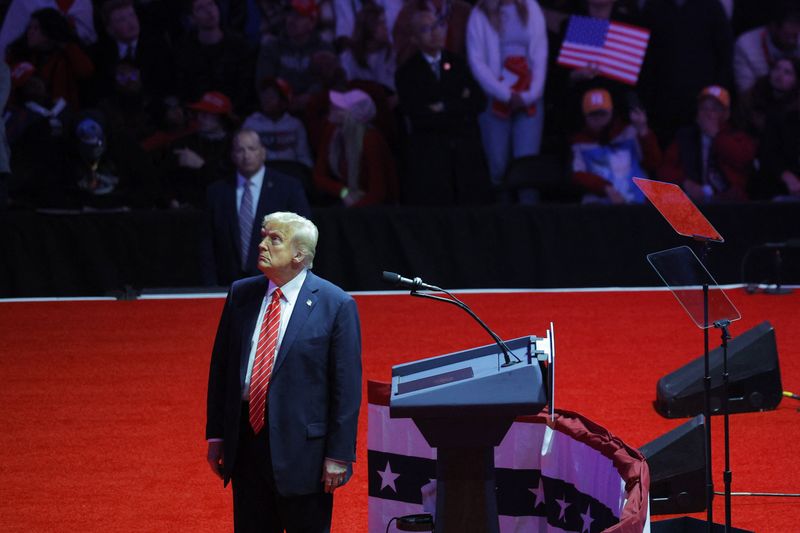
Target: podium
[(463, 404)]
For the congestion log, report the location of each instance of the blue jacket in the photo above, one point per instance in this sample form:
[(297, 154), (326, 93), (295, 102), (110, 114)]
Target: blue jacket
[(315, 388)]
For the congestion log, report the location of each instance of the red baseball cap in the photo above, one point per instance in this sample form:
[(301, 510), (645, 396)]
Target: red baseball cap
[(213, 102)]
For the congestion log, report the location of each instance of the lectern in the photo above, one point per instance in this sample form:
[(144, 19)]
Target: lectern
[(463, 404)]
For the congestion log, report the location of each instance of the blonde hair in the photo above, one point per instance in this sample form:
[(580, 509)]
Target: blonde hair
[(304, 233)]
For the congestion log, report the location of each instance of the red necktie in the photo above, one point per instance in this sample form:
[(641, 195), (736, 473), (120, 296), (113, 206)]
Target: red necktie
[(264, 361)]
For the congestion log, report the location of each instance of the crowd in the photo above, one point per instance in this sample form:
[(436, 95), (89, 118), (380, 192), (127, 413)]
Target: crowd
[(137, 104)]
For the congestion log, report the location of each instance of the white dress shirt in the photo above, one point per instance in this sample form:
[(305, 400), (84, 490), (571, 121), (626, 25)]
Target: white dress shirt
[(256, 181), (290, 292)]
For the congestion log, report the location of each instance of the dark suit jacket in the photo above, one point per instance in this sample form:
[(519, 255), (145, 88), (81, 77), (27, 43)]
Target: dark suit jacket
[(445, 163), (418, 87), (315, 388), (153, 57), (222, 250)]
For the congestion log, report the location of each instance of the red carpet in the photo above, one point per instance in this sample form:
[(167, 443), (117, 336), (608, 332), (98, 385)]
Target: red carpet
[(103, 402)]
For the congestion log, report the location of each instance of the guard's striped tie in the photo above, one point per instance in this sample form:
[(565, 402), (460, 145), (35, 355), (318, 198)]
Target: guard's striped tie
[(264, 361), (246, 216)]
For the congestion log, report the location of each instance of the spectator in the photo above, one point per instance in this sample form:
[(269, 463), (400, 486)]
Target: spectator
[(127, 41), (779, 150), (289, 57), (507, 49), (370, 56), (690, 48), (194, 161), (329, 75), (345, 14), (566, 86), (452, 15), (209, 58), (37, 130), (5, 168), (609, 152), (127, 109), (758, 49), (772, 94), (244, 17), (79, 13), (779, 175), (106, 172), (441, 101), (238, 203), (271, 16), (710, 159), (354, 164), (283, 136), (50, 45), (172, 124)]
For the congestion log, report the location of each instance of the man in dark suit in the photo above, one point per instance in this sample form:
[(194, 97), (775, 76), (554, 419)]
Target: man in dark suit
[(236, 208), (125, 40), (441, 102), (284, 387)]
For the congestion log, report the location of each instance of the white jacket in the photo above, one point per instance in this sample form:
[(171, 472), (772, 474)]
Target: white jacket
[(483, 52)]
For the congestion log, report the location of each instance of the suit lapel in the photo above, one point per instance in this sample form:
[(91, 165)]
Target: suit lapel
[(251, 307), (302, 310)]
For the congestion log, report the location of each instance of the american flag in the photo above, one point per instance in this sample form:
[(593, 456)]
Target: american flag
[(618, 49)]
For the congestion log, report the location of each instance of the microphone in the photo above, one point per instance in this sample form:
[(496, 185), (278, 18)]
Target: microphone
[(415, 284)]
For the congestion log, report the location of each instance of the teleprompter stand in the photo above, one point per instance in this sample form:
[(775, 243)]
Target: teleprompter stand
[(704, 301)]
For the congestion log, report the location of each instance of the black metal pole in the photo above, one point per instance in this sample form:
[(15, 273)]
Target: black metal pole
[(727, 475), (707, 414)]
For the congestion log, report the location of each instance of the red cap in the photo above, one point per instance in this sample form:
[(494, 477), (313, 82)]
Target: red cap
[(213, 102), (306, 8)]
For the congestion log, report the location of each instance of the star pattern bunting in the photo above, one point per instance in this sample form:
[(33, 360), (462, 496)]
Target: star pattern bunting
[(519, 492)]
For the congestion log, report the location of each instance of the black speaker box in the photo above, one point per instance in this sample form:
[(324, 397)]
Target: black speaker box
[(754, 382), (690, 525), (677, 462)]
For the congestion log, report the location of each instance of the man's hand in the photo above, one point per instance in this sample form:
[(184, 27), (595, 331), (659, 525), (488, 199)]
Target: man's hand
[(590, 71), (215, 457), (188, 158), (352, 198), (333, 473)]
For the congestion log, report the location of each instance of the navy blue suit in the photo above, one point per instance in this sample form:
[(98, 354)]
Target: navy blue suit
[(222, 256), (315, 388)]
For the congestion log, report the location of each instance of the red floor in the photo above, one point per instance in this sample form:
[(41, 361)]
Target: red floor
[(104, 401)]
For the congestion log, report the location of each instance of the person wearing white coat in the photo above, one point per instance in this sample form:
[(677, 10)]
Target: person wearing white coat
[(507, 52)]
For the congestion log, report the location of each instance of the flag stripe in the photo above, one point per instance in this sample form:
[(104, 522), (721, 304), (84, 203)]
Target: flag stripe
[(617, 48), (623, 67), (605, 54)]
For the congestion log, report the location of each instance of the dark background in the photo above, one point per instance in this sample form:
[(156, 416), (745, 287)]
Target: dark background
[(545, 246)]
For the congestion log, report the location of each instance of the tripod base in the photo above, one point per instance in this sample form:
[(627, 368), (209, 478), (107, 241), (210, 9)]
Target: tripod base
[(686, 524)]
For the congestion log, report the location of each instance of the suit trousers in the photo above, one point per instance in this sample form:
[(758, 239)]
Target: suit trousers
[(257, 505)]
